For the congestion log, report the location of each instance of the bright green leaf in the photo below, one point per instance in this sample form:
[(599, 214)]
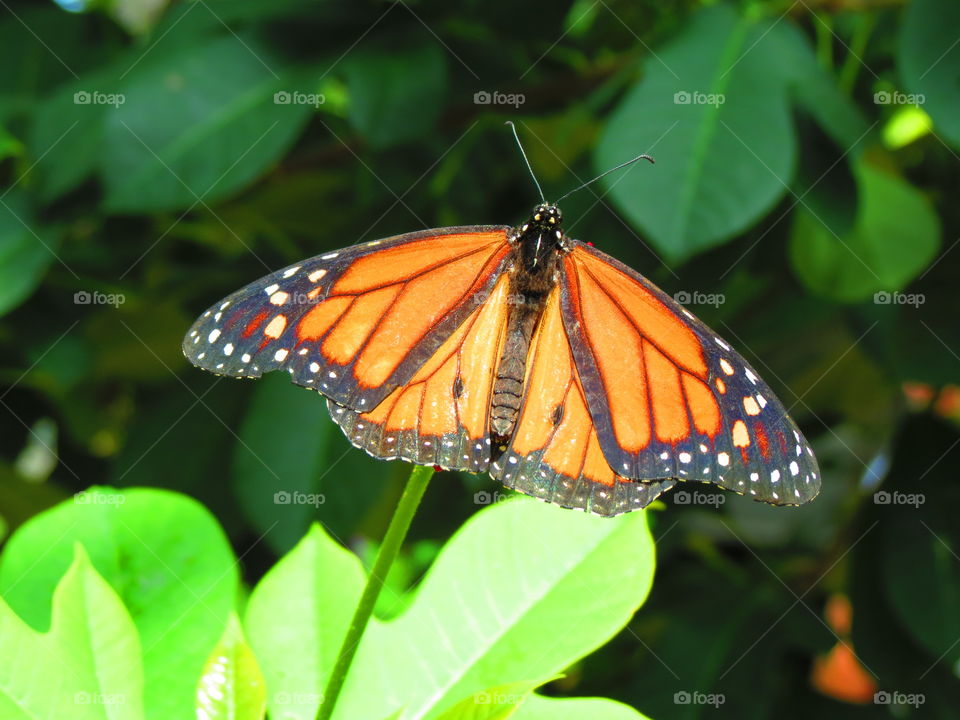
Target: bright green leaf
[(87, 667), (522, 590), (496, 703), (929, 61), (165, 556), (908, 124), (895, 235), (26, 250), (716, 117), (296, 620), (231, 686)]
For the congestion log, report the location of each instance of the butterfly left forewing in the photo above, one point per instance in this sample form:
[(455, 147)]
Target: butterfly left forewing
[(356, 323), (554, 453), (670, 399)]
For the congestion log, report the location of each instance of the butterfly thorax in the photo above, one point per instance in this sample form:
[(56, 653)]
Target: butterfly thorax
[(537, 248)]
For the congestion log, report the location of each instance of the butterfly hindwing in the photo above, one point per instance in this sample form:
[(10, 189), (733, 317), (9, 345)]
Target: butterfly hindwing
[(442, 415), (356, 323), (554, 453), (669, 398)]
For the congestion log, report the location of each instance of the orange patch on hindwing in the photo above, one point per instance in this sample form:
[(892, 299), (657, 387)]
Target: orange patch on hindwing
[(428, 403)]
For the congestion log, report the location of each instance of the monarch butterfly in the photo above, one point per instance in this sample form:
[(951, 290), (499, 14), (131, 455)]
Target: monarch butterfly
[(521, 352)]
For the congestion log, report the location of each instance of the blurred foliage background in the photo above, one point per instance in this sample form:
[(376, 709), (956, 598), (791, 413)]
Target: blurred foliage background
[(156, 156)]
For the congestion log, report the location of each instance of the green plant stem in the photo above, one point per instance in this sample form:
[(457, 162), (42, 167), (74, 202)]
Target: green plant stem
[(389, 548)]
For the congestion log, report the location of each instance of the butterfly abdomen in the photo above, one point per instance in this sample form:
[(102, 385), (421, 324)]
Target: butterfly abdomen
[(537, 247), (508, 386)]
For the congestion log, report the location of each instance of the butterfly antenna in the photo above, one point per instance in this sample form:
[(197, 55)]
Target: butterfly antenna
[(520, 145), (621, 165)]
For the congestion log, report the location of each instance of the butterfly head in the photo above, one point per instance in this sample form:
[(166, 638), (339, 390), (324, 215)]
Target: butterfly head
[(545, 216), (540, 237)]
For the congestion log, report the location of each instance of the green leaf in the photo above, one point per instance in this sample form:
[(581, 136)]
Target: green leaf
[(231, 686), (26, 250), (165, 556), (292, 465), (297, 618), (496, 703), (66, 136), (198, 122), (86, 667), (713, 109), (927, 604), (895, 235), (538, 707), (396, 93), (523, 589), (928, 59)]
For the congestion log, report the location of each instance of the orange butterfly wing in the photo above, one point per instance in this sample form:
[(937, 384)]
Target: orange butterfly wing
[(555, 453), (669, 398), (441, 416), (357, 323)]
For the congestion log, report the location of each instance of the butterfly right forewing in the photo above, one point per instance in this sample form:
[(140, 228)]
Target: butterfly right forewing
[(670, 398)]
